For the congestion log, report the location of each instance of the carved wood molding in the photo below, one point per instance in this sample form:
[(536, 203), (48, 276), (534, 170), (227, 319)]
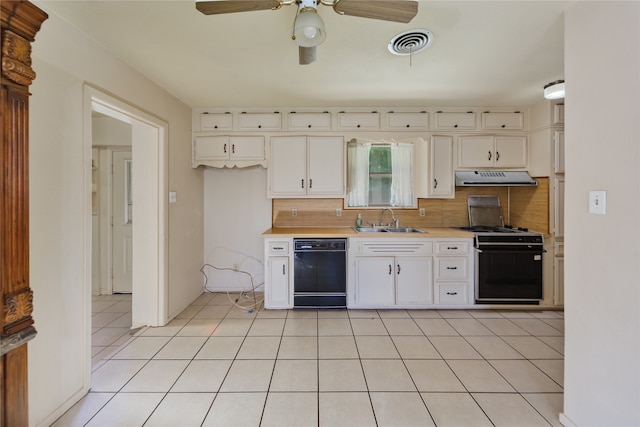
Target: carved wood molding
[(17, 310), (16, 59)]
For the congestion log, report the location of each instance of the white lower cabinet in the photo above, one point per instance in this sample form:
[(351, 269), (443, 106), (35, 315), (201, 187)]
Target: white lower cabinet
[(453, 272), (410, 273), (391, 281), (278, 288)]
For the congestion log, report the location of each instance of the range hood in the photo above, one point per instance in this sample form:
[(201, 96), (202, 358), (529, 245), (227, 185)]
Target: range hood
[(494, 178)]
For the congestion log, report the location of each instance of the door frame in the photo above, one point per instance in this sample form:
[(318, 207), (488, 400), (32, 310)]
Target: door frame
[(149, 148)]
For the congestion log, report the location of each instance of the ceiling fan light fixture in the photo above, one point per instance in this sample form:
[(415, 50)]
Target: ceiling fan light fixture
[(554, 90), (308, 29)]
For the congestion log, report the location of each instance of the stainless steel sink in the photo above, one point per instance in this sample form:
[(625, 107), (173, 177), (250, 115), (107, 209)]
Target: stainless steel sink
[(388, 230), (368, 229), (404, 230)]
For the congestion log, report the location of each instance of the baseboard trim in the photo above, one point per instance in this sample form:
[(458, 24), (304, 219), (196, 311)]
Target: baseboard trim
[(565, 421)]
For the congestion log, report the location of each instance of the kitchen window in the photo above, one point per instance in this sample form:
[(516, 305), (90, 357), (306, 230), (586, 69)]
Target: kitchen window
[(380, 174)]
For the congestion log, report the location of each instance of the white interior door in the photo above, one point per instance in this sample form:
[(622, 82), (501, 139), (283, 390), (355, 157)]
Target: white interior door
[(122, 222)]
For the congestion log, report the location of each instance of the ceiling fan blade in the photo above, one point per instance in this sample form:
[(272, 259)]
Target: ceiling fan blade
[(396, 11), (307, 54), (231, 6)]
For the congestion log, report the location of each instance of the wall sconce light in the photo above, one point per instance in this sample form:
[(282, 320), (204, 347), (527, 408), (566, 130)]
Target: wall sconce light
[(554, 90)]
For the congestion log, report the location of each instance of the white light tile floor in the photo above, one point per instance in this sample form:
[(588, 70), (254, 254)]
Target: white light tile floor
[(219, 365)]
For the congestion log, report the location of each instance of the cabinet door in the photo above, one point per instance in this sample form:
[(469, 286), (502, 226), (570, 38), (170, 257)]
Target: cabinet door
[(278, 292), (375, 281), (359, 121), (475, 151), (247, 147), (558, 214), (506, 120), (325, 166), (287, 168), (408, 121), (455, 120), (558, 282), (211, 148), (511, 151), (309, 121), (441, 177), (260, 121), (216, 121), (413, 280), (558, 140)]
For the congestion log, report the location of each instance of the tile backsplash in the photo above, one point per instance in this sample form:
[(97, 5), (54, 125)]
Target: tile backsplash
[(522, 207)]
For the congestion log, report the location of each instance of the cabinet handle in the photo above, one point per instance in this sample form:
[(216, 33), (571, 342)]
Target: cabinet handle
[(455, 126), (398, 268), (225, 149), (283, 269), (452, 247), (233, 148), (497, 156), (390, 269), (310, 183), (452, 268), (452, 293), (489, 155), (302, 183), (503, 126), (435, 183)]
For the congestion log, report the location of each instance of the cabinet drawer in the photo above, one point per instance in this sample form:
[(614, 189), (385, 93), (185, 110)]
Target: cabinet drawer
[(453, 268), (455, 120), (309, 121), (451, 293), (408, 121), (452, 248), (358, 121), (512, 121), (216, 121), (260, 121), (278, 248)]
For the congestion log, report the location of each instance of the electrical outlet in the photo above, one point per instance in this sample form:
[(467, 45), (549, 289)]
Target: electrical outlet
[(294, 212), (236, 267), (422, 212), (338, 212)]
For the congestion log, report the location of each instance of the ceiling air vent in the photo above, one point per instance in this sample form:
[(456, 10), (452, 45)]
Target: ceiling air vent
[(410, 42)]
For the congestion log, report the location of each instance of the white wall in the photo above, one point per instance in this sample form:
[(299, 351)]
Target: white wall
[(237, 212), (65, 60), (602, 252)]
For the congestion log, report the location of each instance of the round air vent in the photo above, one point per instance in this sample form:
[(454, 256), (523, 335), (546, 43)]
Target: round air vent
[(410, 42)]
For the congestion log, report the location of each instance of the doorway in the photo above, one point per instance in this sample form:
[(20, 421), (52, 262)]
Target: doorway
[(149, 218)]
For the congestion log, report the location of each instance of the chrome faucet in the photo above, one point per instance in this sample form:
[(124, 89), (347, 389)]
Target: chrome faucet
[(393, 217)]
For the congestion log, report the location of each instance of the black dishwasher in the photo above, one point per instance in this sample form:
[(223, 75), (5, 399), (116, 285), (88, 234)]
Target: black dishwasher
[(320, 273)]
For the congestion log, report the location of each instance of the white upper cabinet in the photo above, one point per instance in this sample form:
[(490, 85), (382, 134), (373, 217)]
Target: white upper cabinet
[(309, 121), (455, 120), (558, 142), (228, 151), (358, 121), (558, 114), (441, 175), (216, 121), (302, 166), (500, 120), (408, 121), (260, 121), (488, 151)]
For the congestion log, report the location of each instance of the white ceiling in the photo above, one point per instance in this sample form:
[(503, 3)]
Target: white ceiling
[(484, 53)]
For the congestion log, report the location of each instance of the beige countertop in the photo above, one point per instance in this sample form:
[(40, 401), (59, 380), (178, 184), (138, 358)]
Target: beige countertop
[(319, 232)]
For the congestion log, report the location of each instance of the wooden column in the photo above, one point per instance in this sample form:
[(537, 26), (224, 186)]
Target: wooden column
[(20, 22)]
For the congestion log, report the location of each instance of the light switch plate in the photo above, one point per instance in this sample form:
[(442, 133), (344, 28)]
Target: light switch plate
[(598, 202), (173, 197)]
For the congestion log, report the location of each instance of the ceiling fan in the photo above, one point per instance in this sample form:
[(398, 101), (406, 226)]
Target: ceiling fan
[(308, 29)]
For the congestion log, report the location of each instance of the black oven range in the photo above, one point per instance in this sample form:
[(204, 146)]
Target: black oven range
[(508, 260)]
